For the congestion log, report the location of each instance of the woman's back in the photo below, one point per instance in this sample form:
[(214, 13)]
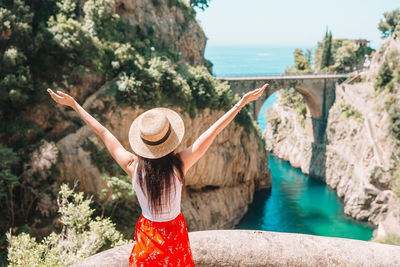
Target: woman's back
[(170, 200)]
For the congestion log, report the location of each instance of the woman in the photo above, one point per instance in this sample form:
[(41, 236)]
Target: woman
[(157, 173)]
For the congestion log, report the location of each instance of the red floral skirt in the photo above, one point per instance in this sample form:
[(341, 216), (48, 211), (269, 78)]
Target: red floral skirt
[(161, 243)]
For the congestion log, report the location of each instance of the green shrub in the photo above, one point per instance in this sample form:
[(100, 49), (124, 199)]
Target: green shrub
[(390, 239), (100, 21), (80, 236), (389, 73), (349, 112), (8, 181), (393, 109), (302, 62), (390, 24), (293, 99), (384, 76), (274, 120), (118, 202), (101, 158)]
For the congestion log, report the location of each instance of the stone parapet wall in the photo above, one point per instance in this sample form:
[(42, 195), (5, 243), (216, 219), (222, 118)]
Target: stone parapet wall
[(262, 248)]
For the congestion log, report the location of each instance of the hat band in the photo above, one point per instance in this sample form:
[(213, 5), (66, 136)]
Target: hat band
[(162, 140)]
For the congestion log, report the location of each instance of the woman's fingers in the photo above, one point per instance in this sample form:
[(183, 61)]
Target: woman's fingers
[(62, 94), (258, 91), (53, 95), (261, 89)]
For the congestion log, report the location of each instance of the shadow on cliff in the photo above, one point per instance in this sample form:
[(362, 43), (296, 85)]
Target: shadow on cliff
[(318, 150)]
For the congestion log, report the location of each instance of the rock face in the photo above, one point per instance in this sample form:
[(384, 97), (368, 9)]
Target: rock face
[(261, 248), (352, 160), (220, 186), (173, 26), (357, 155), (390, 46)]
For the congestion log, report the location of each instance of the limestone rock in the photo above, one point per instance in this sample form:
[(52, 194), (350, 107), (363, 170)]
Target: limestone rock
[(392, 44), (215, 204), (356, 157), (168, 23)]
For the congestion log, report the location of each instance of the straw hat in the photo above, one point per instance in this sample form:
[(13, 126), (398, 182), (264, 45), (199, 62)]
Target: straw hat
[(156, 132)]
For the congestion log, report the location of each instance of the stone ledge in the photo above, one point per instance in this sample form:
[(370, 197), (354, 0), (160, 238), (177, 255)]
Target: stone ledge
[(262, 248)]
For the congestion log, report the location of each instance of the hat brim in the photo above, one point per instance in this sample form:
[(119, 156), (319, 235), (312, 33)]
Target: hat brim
[(169, 145)]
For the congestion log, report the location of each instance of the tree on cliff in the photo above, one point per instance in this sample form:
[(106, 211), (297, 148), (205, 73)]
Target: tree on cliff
[(302, 62), (326, 56), (202, 4), (391, 23)]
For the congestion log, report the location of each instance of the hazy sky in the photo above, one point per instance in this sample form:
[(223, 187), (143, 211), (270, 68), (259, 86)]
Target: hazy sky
[(292, 22)]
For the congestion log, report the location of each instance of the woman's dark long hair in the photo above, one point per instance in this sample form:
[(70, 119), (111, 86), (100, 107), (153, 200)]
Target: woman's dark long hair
[(156, 178)]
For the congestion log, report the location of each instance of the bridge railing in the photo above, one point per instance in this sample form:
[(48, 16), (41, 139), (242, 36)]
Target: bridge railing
[(297, 76)]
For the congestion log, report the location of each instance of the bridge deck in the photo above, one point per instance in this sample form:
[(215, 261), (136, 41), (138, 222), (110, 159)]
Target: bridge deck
[(284, 77)]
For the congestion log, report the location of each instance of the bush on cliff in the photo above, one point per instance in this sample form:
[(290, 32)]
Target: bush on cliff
[(302, 62), (388, 75), (388, 82), (293, 99), (393, 109), (80, 236), (390, 239)]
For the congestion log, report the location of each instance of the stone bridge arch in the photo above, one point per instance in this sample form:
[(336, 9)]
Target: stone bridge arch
[(313, 106), (318, 92)]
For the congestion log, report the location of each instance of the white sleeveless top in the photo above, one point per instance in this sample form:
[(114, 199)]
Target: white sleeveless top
[(169, 212)]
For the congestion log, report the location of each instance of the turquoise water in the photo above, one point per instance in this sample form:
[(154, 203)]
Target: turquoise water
[(261, 120), (296, 203)]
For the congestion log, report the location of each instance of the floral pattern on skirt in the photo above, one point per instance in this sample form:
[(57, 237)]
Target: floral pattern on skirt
[(161, 243)]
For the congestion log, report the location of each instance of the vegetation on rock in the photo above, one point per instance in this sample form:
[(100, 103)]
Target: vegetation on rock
[(326, 50), (391, 239), (390, 24), (202, 4), (344, 55), (331, 55), (302, 62), (80, 236), (293, 99), (388, 75), (59, 43)]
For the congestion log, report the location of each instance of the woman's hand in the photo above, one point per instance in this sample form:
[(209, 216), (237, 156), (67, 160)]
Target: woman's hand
[(62, 98), (124, 158), (252, 95)]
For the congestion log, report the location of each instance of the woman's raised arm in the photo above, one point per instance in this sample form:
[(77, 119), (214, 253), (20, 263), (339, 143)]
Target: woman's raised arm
[(124, 158), (193, 153)]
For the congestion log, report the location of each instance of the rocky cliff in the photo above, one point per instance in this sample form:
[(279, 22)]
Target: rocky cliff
[(358, 155), (220, 186), (172, 23)]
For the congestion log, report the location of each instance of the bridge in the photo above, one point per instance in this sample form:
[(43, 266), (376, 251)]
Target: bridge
[(318, 91)]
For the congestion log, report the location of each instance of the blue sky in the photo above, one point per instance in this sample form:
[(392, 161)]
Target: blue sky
[(292, 22)]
